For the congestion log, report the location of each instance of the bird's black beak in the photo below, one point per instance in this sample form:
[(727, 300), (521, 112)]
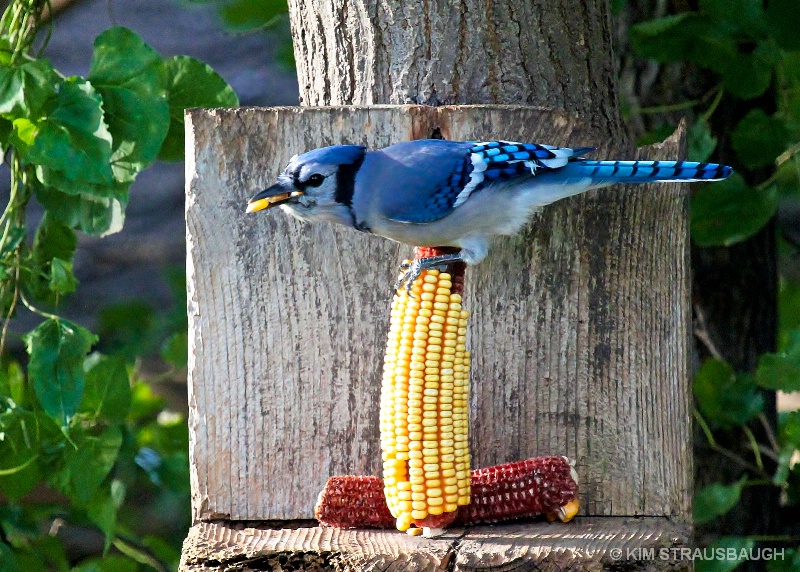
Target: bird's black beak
[(273, 196)]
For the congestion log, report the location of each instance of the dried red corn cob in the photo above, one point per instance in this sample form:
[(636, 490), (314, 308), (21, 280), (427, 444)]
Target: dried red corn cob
[(543, 485), (346, 500), (526, 488)]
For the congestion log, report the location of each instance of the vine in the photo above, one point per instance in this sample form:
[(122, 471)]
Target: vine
[(75, 422)]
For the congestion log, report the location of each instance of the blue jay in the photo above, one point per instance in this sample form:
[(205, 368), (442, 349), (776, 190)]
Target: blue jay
[(448, 193)]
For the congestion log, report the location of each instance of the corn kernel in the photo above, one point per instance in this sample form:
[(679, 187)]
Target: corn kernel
[(424, 400)]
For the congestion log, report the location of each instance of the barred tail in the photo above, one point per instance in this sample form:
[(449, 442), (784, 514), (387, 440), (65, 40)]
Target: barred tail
[(649, 171)]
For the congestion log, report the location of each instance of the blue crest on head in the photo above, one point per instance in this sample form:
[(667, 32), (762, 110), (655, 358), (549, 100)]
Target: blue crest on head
[(333, 155)]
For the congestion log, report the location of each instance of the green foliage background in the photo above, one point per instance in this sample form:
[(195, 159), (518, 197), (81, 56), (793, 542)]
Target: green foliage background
[(749, 50), (81, 428)]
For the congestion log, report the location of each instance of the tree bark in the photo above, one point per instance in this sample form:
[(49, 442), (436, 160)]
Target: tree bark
[(364, 52)]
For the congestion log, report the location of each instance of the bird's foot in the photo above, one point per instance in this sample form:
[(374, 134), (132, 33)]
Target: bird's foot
[(411, 271)]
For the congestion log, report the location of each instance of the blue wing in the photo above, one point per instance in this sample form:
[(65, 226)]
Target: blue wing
[(483, 164)]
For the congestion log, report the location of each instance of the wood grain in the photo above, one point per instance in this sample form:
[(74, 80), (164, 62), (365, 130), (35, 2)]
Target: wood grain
[(583, 352), (618, 544)]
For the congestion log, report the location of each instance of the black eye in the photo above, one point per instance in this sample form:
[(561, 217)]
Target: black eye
[(315, 180)]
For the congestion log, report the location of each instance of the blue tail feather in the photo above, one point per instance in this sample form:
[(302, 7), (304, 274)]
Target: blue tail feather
[(647, 171)]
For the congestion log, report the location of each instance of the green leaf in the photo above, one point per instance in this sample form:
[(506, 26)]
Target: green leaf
[(102, 509), (72, 143), (8, 562), (789, 429), (53, 248), (129, 75), (90, 464), (16, 382), (789, 563), (12, 383), (781, 371), (782, 20), (191, 83), (56, 179), (43, 553), (62, 280), (729, 211), (24, 89), (144, 403), (97, 216), (785, 460), (716, 499), (792, 489), (162, 549), (741, 15), (57, 348), (112, 563), (735, 549), (20, 444), (688, 36), (700, 141), (6, 127), (16, 234), (24, 130), (759, 138), (54, 240), (175, 349), (787, 179), (725, 398), (246, 15), (101, 216), (701, 39), (108, 389), (748, 74), (285, 55)]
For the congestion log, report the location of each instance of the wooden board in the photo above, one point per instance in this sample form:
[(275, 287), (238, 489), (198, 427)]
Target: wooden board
[(591, 544), (581, 351)]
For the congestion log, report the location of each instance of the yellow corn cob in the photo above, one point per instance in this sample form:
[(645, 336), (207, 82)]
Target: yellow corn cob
[(424, 405)]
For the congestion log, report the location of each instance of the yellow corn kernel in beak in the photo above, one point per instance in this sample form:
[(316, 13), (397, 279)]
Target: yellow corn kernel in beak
[(259, 205), (267, 202)]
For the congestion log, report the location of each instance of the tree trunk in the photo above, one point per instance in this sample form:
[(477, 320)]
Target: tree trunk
[(363, 52)]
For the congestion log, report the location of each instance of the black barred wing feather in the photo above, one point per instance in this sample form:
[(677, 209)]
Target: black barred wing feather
[(487, 163)]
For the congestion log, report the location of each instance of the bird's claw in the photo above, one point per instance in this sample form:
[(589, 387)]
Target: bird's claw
[(410, 271)]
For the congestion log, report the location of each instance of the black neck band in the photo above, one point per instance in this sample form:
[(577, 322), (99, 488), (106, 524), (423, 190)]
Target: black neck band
[(346, 186)]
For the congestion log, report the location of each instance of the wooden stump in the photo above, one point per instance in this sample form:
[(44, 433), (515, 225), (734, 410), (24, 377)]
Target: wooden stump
[(591, 544), (583, 352)]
